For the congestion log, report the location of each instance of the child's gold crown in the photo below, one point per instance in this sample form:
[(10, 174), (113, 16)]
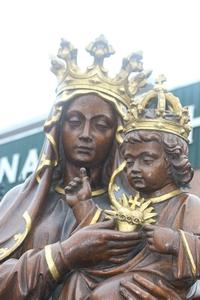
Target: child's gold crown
[(120, 89), (159, 110)]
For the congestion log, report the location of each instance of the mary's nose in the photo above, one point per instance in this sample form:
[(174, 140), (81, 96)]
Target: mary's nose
[(86, 133)]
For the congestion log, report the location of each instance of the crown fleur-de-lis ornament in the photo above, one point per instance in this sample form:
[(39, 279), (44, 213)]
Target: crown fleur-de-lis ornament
[(159, 110), (120, 89)]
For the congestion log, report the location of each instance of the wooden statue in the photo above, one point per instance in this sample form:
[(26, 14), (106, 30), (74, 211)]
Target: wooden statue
[(55, 239), (40, 245)]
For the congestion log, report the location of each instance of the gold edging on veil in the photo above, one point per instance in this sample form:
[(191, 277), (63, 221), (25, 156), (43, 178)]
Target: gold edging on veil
[(118, 136), (54, 119), (44, 160), (53, 143), (19, 238)]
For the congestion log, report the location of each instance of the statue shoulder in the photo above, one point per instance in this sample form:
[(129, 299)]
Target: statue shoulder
[(10, 196), (13, 194)]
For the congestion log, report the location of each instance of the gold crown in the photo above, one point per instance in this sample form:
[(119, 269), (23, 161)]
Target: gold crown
[(159, 110), (120, 89)]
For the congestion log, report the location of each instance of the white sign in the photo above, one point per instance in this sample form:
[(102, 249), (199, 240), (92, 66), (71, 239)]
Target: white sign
[(11, 169)]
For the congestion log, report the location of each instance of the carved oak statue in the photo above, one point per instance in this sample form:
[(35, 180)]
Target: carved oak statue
[(41, 246), (55, 240)]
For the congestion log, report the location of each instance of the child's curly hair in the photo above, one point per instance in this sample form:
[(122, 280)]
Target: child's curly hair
[(176, 150)]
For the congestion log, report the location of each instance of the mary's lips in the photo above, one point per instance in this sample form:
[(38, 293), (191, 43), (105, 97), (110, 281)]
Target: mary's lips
[(85, 149)]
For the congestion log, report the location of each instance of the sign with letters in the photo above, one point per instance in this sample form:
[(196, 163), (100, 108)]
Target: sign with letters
[(18, 159)]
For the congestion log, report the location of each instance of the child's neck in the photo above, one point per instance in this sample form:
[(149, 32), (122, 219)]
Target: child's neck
[(162, 191)]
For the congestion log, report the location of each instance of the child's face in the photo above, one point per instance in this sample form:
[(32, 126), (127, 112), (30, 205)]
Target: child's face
[(147, 168)]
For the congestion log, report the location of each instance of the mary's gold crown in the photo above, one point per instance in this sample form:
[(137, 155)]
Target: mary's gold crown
[(72, 81)]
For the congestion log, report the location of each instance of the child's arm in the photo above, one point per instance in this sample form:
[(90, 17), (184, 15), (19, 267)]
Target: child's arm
[(162, 239), (184, 246), (79, 198)]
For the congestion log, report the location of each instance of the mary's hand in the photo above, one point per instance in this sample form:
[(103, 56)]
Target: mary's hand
[(98, 243), (143, 289)]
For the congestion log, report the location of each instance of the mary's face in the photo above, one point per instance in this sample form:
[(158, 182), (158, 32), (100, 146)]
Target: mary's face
[(88, 131)]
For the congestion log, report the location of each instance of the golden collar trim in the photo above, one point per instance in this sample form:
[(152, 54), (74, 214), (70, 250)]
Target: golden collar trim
[(165, 197), (95, 193)]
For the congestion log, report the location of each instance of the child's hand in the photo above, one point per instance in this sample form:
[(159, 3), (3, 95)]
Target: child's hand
[(78, 189), (162, 239)]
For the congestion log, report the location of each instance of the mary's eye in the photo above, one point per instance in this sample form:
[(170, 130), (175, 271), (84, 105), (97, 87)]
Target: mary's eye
[(73, 122), (102, 125)]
